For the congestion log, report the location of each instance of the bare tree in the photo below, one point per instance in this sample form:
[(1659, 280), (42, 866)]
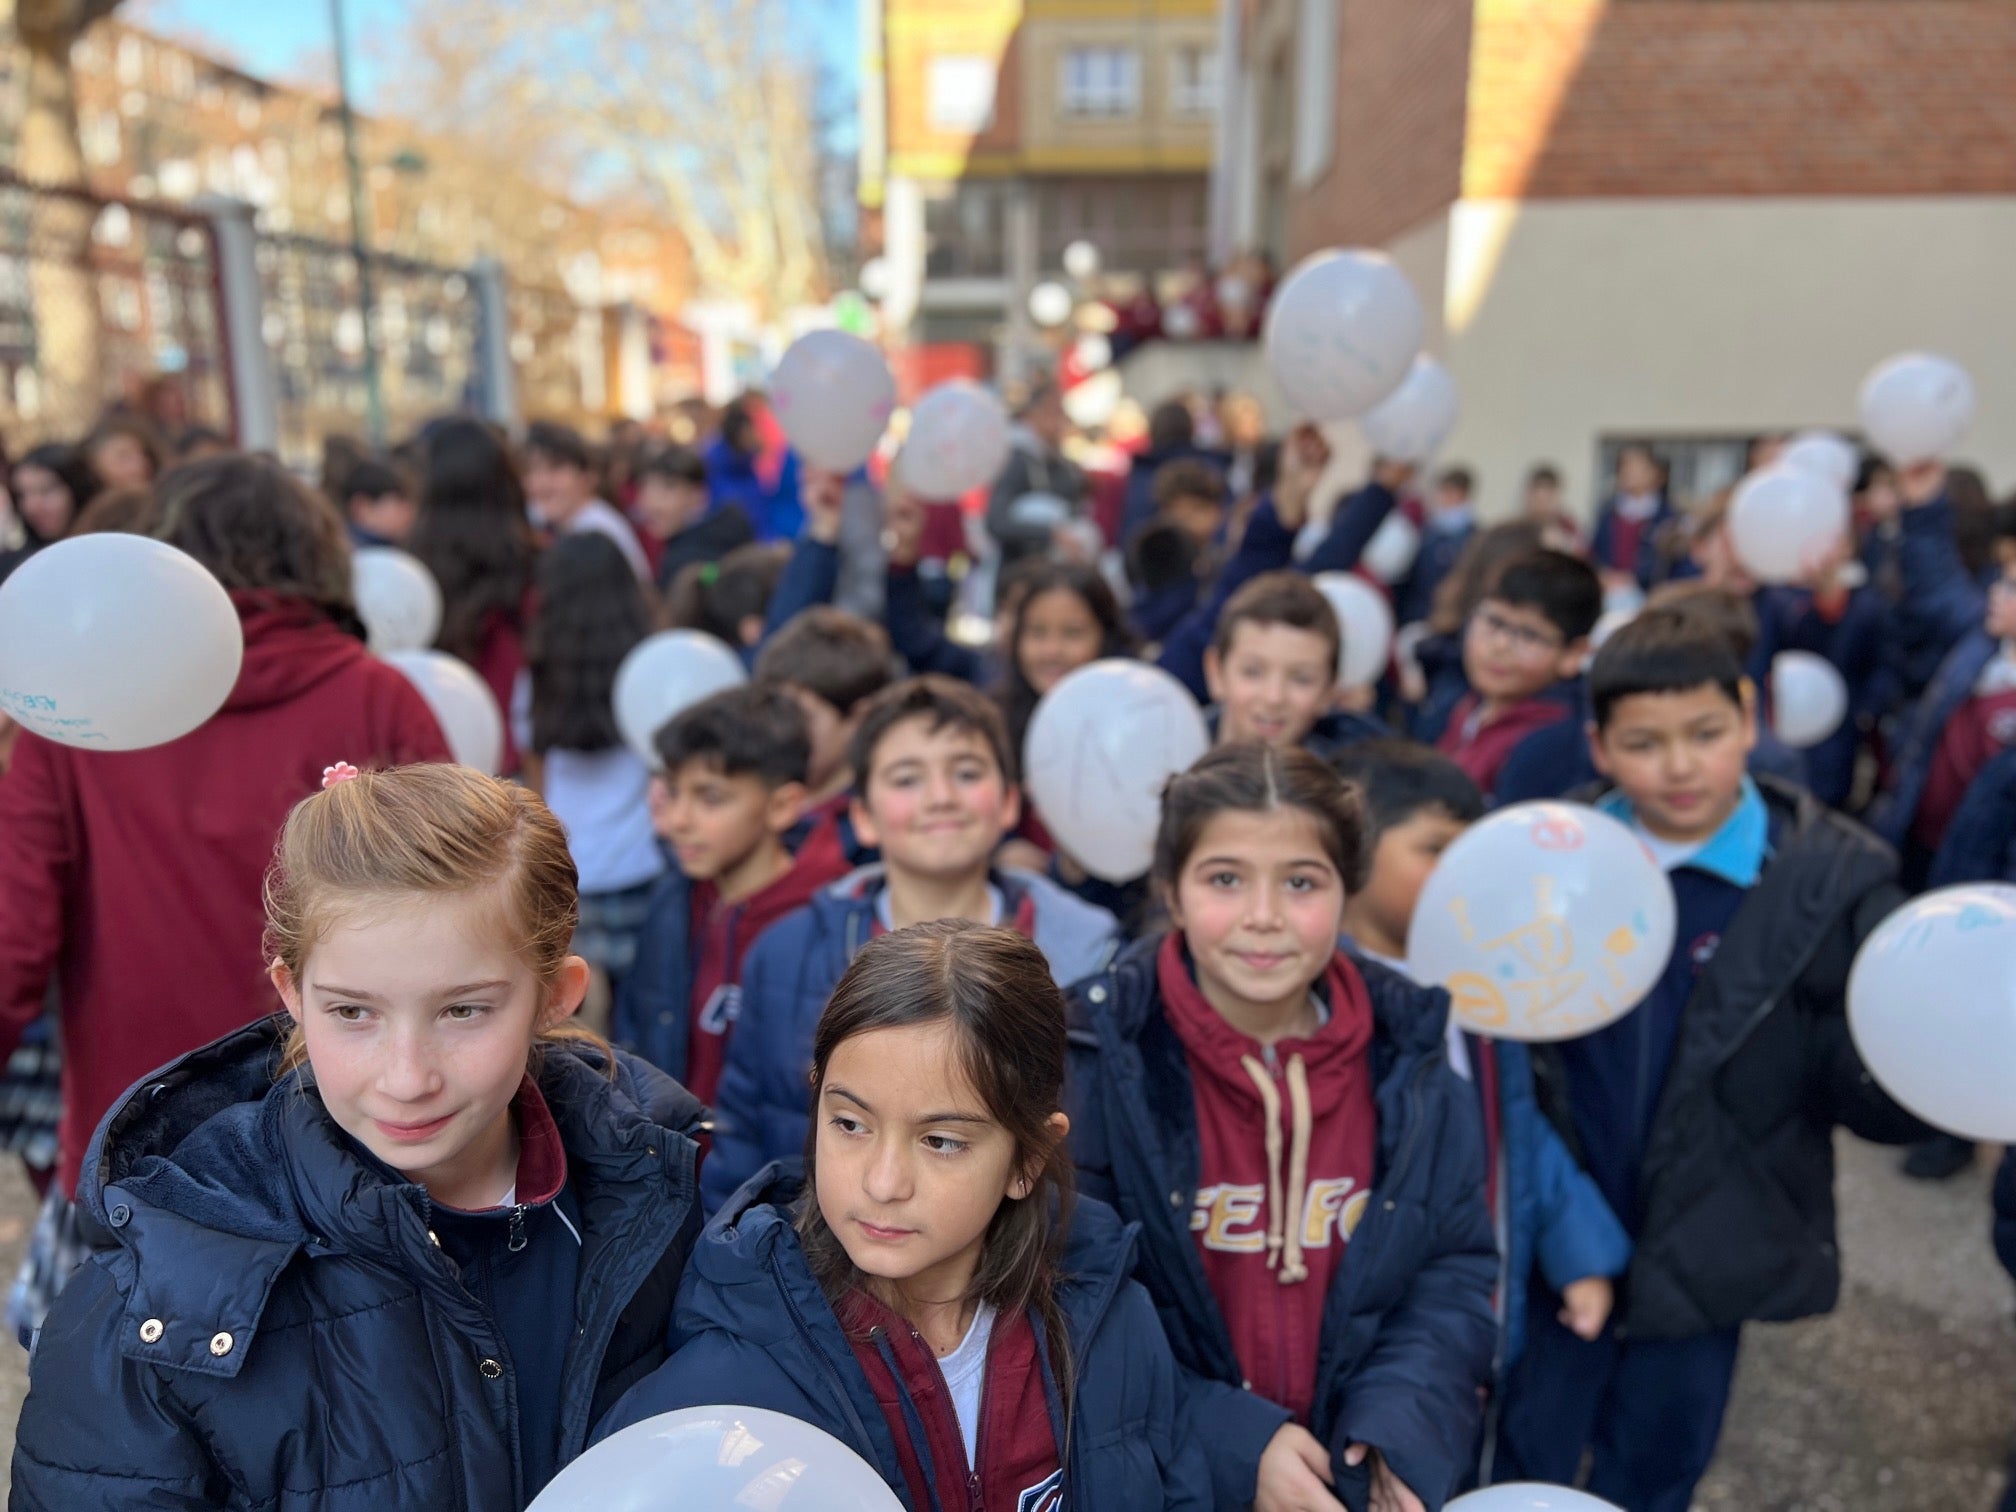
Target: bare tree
[(707, 105)]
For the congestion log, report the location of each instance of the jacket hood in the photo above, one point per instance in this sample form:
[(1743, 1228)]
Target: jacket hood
[(1076, 937), (1407, 1018), (209, 1176), (291, 646)]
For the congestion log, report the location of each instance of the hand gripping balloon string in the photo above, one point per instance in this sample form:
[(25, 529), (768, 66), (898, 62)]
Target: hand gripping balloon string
[(341, 772)]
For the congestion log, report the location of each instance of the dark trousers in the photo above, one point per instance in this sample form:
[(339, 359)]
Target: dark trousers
[(1650, 1411)]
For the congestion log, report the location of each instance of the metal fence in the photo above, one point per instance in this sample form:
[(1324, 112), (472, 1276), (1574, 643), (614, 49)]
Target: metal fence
[(106, 301)]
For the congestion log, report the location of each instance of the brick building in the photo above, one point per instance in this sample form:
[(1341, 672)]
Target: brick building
[(998, 132), (1647, 217)]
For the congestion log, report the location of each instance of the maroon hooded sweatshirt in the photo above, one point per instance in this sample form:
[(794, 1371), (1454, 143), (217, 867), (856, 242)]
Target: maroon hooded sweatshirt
[(1288, 1137), (1016, 1445), (1481, 746), (134, 877)]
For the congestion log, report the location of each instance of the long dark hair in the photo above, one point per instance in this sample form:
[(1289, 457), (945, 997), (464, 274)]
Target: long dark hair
[(591, 613), (1018, 697), (471, 532), (258, 528), (70, 467), (994, 987)]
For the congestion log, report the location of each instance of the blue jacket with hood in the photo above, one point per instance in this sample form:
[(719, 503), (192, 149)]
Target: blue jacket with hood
[(763, 1105), (1408, 1335), (751, 1312), (268, 1323)]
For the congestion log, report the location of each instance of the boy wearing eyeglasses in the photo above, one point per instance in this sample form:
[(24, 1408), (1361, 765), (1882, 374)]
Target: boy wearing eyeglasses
[(1522, 651)]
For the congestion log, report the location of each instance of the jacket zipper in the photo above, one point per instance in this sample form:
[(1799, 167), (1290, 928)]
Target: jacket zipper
[(825, 1365)]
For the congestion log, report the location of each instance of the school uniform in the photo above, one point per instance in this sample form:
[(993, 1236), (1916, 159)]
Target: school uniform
[(1945, 739), (1706, 1118), (274, 1317), (1980, 843), (679, 1003), (1482, 743), (1630, 535), (751, 1312), (761, 1108), (1444, 538), (1334, 1269)]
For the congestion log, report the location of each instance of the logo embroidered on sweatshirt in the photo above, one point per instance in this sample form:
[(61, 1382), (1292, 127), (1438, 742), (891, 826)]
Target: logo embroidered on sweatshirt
[(2002, 727), (1046, 1496), (1702, 951), (721, 1009), (1233, 1217)]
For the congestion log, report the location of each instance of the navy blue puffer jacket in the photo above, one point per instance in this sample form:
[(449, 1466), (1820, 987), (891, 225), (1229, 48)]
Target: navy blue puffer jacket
[(1408, 1334), (270, 1326), (758, 1329)]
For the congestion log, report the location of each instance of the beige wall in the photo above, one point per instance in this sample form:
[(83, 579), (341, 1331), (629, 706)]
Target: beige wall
[(1156, 136), (1568, 320)]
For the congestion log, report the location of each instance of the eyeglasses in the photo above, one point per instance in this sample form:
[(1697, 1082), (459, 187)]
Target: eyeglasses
[(1522, 638)]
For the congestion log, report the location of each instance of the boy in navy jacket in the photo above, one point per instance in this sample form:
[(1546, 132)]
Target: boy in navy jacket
[(937, 794), (1272, 669), (1706, 1114)]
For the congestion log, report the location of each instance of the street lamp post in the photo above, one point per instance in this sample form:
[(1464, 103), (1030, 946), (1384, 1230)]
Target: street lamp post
[(360, 229)]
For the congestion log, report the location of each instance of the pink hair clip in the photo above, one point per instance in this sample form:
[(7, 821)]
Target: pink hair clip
[(341, 772)]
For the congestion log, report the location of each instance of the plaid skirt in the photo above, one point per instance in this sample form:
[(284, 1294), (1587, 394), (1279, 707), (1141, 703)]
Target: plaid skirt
[(606, 936)]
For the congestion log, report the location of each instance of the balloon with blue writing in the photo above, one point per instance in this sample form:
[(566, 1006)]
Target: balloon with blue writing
[(1917, 407), (1932, 1008), (1341, 332), (463, 706), (1101, 745), (666, 674), (719, 1459), (115, 642), (1545, 921), (833, 395)]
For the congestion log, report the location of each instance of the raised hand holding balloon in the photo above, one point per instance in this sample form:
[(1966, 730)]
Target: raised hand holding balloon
[(115, 642), (833, 395), (1545, 921)]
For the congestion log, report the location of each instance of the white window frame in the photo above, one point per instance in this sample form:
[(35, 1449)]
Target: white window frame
[(1194, 84), (959, 92), (1099, 82)]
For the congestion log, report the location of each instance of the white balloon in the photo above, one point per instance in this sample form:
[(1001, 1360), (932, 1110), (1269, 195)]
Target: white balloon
[(1545, 921), (833, 395), (1783, 521), (1916, 407), (1411, 423), (665, 674), (1341, 332), (1932, 1007), (1832, 457), (1530, 1497), (1044, 510), (1389, 555), (958, 441), (115, 642), (1093, 402), (1101, 745), (1094, 351), (1809, 699), (1050, 304), (719, 1459), (463, 706), (1234, 292), (1081, 260), (1181, 323), (397, 598), (1366, 620)]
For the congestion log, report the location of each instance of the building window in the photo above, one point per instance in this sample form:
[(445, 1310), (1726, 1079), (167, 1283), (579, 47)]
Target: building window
[(1101, 81), (131, 60), (1315, 89), (959, 93), (1193, 81)]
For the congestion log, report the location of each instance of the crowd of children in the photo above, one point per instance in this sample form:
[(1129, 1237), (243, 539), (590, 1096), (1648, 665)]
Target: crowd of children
[(1033, 1189)]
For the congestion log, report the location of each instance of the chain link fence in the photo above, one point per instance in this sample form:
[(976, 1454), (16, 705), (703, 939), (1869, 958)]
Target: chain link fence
[(103, 302)]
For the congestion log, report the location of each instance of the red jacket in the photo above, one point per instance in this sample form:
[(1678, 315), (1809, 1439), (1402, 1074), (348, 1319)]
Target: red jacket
[(134, 877), (1284, 1172)]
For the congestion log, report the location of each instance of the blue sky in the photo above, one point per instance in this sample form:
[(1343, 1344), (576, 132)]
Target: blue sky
[(275, 36)]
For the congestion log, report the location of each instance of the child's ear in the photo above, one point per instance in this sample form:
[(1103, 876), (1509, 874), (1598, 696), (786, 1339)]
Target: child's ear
[(1746, 692), (1011, 810), (1214, 674), (1597, 756), (1573, 655), (783, 807), (749, 630), (283, 983), (863, 819), (564, 997)]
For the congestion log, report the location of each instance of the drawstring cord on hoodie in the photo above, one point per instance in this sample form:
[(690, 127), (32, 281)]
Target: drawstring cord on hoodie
[(1284, 1220)]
